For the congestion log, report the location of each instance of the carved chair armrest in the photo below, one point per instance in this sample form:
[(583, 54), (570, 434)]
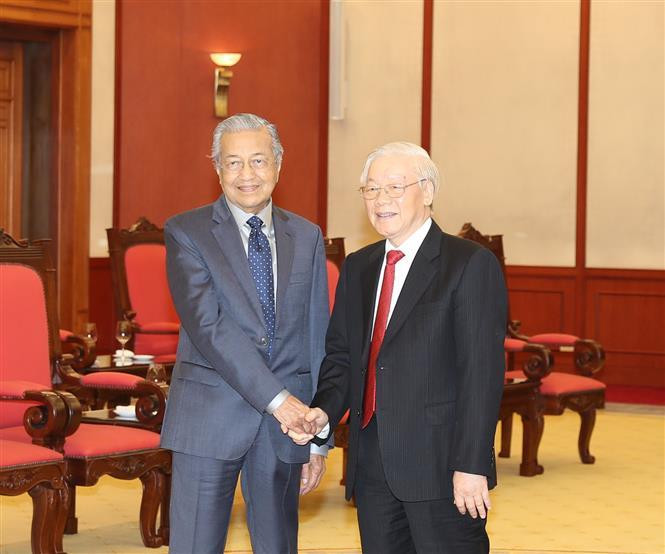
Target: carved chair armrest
[(589, 357), (82, 349), (55, 416), (514, 326), (539, 362), (151, 397)]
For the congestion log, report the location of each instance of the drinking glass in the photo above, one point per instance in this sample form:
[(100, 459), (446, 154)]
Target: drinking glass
[(156, 373), (91, 331), (123, 332)]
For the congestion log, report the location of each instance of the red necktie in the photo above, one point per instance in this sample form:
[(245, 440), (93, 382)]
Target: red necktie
[(369, 402)]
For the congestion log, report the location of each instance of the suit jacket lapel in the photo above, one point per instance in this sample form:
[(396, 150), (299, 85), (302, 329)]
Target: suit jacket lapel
[(227, 235), (422, 271), (369, 281), (285, 249)]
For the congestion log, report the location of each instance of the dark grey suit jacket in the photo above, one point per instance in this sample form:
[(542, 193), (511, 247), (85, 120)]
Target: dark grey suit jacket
[(221, 381), (440, 369)]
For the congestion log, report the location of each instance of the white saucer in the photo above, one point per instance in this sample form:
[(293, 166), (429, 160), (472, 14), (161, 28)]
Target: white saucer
[(125, 412), (143, 357)]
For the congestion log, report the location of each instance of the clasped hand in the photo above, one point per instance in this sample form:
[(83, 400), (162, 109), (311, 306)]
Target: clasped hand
[(300, 421)]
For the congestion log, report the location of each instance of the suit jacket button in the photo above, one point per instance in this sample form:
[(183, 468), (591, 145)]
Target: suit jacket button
[(357, 413), (363, 370), (380, 368), (263, 341)]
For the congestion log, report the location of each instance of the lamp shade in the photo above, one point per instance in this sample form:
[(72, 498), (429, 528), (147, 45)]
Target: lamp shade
[(225, 59)]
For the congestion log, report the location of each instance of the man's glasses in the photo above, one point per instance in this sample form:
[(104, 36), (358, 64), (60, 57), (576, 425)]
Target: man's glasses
[(371, 192)]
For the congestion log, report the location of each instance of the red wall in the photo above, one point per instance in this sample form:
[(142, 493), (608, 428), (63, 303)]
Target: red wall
[(164, 117)]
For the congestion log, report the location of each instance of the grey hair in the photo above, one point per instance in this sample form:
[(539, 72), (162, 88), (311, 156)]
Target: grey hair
[(425, 167), (244, 122)]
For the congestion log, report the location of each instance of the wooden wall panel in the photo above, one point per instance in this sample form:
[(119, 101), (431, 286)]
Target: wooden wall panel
[(164, 106), (59, 13), (625, 311), (543, 299), (11, 136)]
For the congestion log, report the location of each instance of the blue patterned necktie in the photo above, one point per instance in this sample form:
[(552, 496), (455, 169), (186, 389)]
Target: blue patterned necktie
[(260, 265)]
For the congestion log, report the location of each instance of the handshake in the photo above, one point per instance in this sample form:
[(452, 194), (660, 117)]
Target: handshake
[(300, 421)]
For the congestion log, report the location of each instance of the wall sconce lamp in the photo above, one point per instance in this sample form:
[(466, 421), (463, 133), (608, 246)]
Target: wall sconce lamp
[(223, 74)]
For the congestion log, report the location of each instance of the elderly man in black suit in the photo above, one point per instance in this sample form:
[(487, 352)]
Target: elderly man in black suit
[(415, 350)]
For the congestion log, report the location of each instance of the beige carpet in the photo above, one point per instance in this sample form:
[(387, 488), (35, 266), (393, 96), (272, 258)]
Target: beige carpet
[(614, 506)]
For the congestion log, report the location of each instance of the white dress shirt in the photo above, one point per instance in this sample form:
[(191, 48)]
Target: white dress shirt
[(409, 248), (240, 216)]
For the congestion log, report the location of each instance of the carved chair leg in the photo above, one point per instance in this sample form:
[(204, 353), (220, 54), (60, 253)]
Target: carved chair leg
[(153, 492), (164, 525), (41, 535), (60, 518), (506, 435), (532, 431), (588, 418), (345, 454), (72, 522)]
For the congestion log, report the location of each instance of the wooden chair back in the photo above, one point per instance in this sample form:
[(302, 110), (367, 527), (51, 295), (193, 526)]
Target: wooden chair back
[(335, 255), (143, 233)]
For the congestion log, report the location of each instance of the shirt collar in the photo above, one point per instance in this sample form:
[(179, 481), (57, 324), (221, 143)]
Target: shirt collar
[(411, 245), (241, 216)]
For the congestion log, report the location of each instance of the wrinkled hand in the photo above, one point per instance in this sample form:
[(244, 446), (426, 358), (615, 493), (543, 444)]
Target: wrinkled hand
[(471, 494), (312, 473), (291, 415), (314, 422)]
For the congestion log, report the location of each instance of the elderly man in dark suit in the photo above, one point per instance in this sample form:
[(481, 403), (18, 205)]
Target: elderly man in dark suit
[(415, 350), (248, 280)]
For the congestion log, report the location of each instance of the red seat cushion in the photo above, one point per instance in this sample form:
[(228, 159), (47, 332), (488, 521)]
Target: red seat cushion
[(13, 453), (345, 418), (111, 379), (11, 412), (15, 389), (65, 334), (554, 339), (564, 383), (91, 440), (513, 345), (155, 344)]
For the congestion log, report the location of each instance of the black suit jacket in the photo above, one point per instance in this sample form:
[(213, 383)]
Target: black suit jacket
[(440, 369)]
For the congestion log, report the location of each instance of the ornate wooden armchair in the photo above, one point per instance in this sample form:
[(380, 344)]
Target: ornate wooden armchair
[(82, 350), (39, 470), (30, 359), (559, 390), (140, 288)]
